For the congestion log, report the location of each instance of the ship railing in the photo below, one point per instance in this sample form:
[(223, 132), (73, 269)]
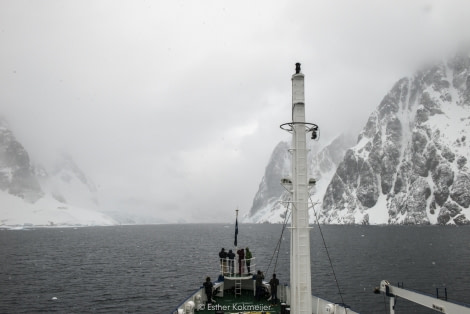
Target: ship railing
[(228, 267)]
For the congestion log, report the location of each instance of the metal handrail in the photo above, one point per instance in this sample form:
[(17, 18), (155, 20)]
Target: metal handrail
[(225, 267)]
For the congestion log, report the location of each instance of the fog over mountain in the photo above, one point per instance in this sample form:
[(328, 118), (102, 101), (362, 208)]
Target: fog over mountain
[(173, 107), (409, 165), (33, 194)]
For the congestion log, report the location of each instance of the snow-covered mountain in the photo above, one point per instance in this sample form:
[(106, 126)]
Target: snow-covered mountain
[(410, 163), (35, 195), (269, 202), (266, 206)]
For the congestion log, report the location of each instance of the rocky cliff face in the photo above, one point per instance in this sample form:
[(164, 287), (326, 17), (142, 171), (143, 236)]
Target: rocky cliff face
[(270, 188), (17, 174), (410, 163)]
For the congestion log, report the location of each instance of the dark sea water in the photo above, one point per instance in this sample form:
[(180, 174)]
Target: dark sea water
[(151, 269)]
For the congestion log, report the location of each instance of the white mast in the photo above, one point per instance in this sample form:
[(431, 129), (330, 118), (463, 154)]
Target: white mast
[(300, 277)]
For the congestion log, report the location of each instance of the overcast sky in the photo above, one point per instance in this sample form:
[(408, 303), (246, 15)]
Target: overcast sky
[(173, 107)]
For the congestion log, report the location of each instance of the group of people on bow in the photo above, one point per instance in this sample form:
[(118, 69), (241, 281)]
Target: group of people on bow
[(259, 277), (227, 261)]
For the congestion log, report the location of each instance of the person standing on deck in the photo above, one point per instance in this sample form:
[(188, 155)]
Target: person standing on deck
[(241, 258), (274, 282), (223, 256), (208, 285), (231, 262), (259, 285), (248, 258)]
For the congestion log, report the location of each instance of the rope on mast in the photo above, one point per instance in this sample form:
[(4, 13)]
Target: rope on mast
[(326, 249), (278, 245)]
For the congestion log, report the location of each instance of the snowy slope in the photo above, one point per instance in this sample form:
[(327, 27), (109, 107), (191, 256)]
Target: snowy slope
[(47, 212), (65, 182)]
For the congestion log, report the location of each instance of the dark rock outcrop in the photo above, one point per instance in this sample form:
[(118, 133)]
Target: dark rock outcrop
[(17, 174)]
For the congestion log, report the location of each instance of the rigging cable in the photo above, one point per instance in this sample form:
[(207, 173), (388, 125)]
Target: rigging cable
[(326, 248), (280, 239), (278, 245)]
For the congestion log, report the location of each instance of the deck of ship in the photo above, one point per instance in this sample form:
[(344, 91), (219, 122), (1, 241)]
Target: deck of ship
[(226, 301), (244, 303), (234, 293)]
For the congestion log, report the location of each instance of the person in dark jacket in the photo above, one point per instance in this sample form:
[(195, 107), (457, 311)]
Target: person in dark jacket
[(231, 263), (208, 285), (259, 284), (241, 259), (274, 282), (223, 261)]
